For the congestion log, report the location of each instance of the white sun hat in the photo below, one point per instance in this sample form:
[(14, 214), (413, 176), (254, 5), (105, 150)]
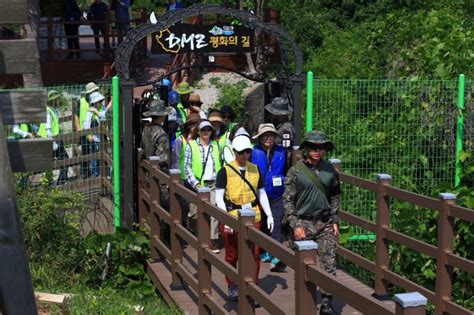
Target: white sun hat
[(96, 97), (241, 143)]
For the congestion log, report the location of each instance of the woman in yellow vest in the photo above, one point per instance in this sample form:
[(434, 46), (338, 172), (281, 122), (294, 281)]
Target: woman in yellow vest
[(202, 161), (238, 185)]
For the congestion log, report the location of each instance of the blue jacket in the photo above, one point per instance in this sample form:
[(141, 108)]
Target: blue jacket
[(273, 172)]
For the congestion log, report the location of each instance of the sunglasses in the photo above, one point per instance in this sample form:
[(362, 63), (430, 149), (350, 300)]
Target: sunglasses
[(206, 129), (317, 147), (227, 116), (246, 151), (196, 103)]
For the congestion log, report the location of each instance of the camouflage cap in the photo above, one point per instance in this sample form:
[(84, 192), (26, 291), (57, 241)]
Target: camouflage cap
[(279, 106), (157, 108), (317, 137)]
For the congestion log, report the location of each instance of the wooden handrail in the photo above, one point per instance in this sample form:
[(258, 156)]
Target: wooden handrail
[(150, 170)]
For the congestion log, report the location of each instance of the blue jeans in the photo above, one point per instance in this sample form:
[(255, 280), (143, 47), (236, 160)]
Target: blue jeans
[(94, 148)]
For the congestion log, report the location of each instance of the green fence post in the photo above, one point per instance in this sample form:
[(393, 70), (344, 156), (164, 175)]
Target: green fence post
[(309, 101), (460, 129), (116, 147)]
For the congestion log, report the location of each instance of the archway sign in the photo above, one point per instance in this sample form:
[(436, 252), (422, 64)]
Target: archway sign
[(175, 38)]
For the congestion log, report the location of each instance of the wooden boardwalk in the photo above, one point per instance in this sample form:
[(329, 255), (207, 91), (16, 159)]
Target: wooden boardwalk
[(279, 285)]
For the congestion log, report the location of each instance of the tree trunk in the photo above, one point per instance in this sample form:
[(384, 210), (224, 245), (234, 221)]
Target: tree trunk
[(30, 30), (248, 56), (261, 56)]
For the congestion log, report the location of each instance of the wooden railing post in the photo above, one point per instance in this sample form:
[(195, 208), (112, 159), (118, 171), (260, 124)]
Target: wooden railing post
[(305, 292), (143, 210), (50, 38), (176, 249), (204, 240), (382, 221), (445, 246), (412, 303), (246, 261), (153, 219)]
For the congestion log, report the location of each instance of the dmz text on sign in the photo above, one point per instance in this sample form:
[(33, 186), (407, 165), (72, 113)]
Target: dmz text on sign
[(182, 38)]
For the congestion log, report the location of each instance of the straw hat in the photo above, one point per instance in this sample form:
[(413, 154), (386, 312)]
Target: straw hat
[(184, 88), (215, 116), (195, 98), (265, 128), (91, 87)]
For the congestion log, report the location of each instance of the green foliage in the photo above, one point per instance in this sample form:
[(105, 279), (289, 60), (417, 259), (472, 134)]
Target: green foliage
[(50, 221), (109, 301), (231, 94), (124, 269), (382, 39), (61, 260)]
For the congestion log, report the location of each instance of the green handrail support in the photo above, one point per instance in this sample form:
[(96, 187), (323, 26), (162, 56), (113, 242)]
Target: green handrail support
[(116, 147), (459, 129), (309, 101)]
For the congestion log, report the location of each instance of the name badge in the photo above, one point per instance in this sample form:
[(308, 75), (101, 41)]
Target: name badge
[(247, 206), (277, 181)]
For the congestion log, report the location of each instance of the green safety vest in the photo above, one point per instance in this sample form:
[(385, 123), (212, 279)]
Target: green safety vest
[(222, 142), (23, 127), (83, 109), (181, 157), (182, 112), (54, 125), (196, 161)]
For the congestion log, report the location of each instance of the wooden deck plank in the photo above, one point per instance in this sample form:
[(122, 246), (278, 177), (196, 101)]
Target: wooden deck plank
[(279, 285)]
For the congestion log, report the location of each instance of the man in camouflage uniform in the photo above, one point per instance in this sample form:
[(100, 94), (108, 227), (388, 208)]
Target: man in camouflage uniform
[(156, 144), (312, 200), (281, 111)]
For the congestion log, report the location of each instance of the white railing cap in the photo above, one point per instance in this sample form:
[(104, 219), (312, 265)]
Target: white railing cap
[(175, 171), (305, 245), (447, 196), (412, 299)]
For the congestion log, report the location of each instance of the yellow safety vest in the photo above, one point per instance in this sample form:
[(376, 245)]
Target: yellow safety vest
[(182, 112), (196, 161), (54, 125), (238, 191), (181, 157), (83, 109)]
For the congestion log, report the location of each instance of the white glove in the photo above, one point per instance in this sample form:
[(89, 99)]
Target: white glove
[(228, 230), (270, 223)]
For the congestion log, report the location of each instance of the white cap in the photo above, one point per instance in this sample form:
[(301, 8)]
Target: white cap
[(96, 97), (241, 143), (173, 115), (204, 124), (241, 131)]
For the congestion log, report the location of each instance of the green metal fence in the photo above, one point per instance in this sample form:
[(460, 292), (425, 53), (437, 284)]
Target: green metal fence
[(403, 128), (88, 164)]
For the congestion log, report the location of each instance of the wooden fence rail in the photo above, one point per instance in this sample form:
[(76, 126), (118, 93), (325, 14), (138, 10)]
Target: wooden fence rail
[(443, 252), (303, 260)]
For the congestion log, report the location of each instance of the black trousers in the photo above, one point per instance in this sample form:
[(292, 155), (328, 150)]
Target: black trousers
[(72, 43)]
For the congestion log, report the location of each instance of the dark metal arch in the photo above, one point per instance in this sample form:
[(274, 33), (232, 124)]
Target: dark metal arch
[(288, 47)]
